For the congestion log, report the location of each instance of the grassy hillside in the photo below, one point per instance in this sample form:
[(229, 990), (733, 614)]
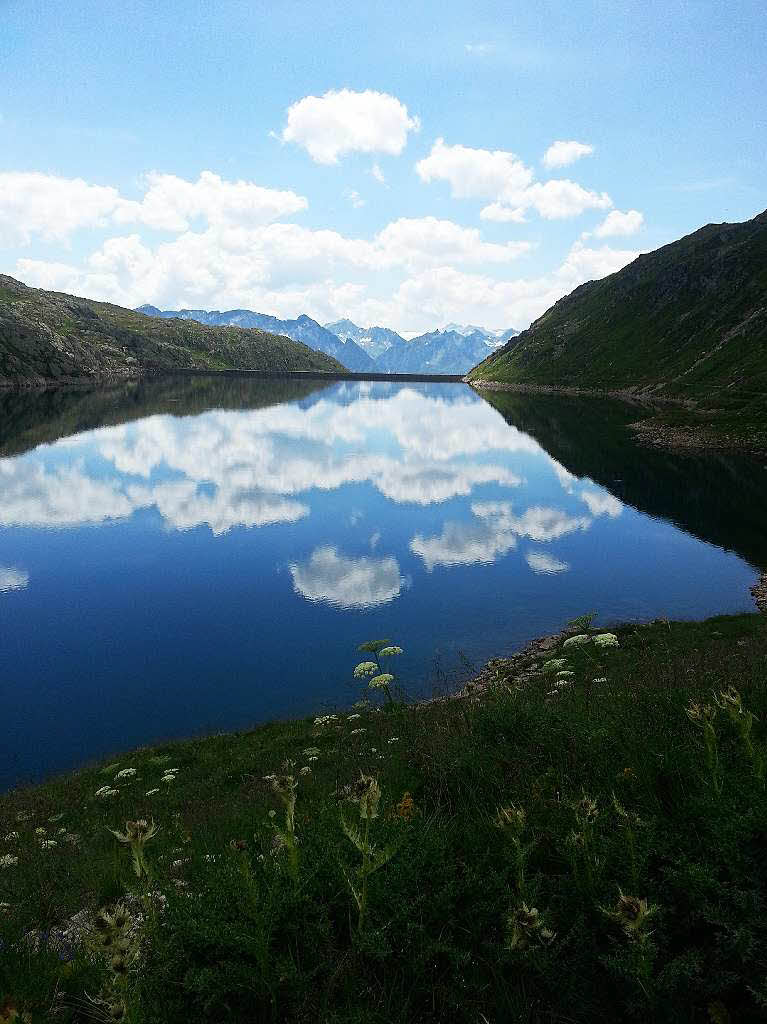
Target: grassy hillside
[(582, 845), (47, 336), (687, 321)]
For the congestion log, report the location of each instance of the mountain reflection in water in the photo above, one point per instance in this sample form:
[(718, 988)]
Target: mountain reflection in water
[(188, 554)]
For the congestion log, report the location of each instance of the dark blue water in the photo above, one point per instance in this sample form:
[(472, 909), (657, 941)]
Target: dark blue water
[(192, 568)]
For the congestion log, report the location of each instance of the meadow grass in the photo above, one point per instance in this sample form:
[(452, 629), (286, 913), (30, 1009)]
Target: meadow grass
[(589, 845)]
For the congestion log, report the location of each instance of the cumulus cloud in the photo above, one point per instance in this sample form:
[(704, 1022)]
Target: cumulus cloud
[(53, 207), (562, 154), (494, 531), (332, 577), (601, 503), (343, 121), (13, 579), (42, 204), (618, 223), (502, 177), (541, 562)]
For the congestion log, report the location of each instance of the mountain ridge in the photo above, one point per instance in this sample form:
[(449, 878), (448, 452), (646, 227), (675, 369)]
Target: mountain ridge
[(685, 322), (48, 336)]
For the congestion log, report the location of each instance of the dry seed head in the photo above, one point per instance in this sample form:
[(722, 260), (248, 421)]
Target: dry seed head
[(367, 793)]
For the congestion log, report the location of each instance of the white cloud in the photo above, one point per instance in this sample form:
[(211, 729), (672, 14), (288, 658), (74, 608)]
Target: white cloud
[(541, 562), (502, 177), (562, 154), (479, 49), (347, 582), (618, 223), (378, 174), (601, 503), (41, 204), (53, 208), (354, 198), (428, 241), (493, 532), (343, 121), (13, 579), (503, 214)]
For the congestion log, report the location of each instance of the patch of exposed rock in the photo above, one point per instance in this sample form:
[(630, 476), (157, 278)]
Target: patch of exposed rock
[(759, 592)]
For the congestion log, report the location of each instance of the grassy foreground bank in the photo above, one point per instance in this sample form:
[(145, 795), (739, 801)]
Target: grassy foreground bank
[(588, 846)]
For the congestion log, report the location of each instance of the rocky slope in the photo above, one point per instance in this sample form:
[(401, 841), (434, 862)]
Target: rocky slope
[(303, 329), (50, 336), (688, 321)]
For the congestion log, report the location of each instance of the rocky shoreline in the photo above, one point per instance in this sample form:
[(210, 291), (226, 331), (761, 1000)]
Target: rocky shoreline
[(698, 437), (759, 592)]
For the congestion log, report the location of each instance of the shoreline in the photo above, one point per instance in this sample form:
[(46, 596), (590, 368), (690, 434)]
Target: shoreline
[(694, 437), (116, 377)]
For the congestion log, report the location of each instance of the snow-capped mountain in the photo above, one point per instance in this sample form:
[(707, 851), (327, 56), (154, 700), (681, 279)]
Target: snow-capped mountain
[(302, 329), (374, 340), (456, 349)]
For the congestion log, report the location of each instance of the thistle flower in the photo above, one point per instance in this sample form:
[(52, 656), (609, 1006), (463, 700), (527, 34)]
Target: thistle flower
[(700, 714), (586, 810), (367, 793), (512, 818), (137, 834), (8, 860), (387, 652), (604, 640), (365, 668), (381, 681), (631, 914), (576, 641), (526, 926)]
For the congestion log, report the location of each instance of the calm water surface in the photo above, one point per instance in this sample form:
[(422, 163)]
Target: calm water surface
[(189, 555)]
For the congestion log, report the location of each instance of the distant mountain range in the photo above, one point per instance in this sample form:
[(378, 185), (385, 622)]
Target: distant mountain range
[(51, 336), (456, 349), (686, 321)]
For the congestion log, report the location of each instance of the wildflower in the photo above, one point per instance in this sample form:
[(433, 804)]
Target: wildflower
[(526, 926), (48, 844), (393, 739), (600, 679), (151, 792), (406, 808), (168, 779), (322, 720), (306, 770), (352, 718), (312, 752), (106, 791), (631, 914), (137, 834), (8, 860), (39, 831), (387, 652), (511, 817), (729, 700), (701, 714), (11, 836), (356, 732), (367, 793), (576, 641), (313, 759), (365, 668), (565, 674), (381, 681), (586, 809), (554, 664), (563, 684)]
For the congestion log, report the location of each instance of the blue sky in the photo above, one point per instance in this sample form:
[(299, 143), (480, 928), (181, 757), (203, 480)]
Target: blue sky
[(328, 190)]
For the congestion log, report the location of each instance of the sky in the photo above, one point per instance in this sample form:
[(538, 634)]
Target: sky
[(401, 164)]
